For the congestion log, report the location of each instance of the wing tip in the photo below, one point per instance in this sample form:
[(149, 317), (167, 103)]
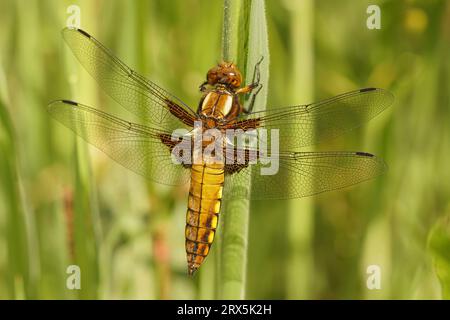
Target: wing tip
[(364, 154), (367, 89), (383, 165), (387, 93), (69, 102), (84, 33), (55, 103), (63, 101)]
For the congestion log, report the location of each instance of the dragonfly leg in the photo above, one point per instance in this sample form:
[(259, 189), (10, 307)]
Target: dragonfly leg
[(202, 87), (253, 98), (256, 71), (254, 85)]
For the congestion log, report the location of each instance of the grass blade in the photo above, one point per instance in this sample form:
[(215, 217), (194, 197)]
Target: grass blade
[(16, 274), (300, 217), (244, 41)]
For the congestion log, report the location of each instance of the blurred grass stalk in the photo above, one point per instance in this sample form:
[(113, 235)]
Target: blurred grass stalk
[(15, 271), (300, 217), (245, 40)]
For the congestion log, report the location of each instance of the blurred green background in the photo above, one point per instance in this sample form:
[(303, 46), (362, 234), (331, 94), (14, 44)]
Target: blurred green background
[(63, 202)]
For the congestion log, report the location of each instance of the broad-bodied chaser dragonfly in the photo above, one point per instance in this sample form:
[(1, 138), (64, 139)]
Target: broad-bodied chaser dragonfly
[(149, 149)]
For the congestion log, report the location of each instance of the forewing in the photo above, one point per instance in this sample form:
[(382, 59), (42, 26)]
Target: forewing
[(134, 92), (305, 125)]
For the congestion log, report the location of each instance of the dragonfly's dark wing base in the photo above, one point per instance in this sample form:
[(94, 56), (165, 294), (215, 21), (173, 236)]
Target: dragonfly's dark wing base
[(303, 174), (142, 149), (144, 98)]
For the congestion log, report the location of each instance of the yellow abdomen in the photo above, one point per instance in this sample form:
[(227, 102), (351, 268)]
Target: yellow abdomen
[(202, 216)]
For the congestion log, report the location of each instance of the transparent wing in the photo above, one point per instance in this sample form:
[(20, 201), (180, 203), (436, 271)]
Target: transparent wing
[(142, 149), (134, 92), (305, 125), (304, 174)]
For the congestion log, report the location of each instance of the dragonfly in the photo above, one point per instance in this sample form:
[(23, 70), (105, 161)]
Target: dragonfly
[(148, 149)]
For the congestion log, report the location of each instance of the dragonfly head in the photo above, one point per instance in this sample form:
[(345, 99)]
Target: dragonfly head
[(225, 73)]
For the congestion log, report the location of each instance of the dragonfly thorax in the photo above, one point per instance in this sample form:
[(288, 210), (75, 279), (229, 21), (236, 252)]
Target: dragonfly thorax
[(216, 105)]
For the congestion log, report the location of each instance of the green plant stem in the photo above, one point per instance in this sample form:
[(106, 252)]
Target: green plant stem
[(300, 215), (244, 41), (17, 275)]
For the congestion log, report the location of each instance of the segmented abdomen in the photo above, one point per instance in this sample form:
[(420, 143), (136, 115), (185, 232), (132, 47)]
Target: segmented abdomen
[(202, 216)]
